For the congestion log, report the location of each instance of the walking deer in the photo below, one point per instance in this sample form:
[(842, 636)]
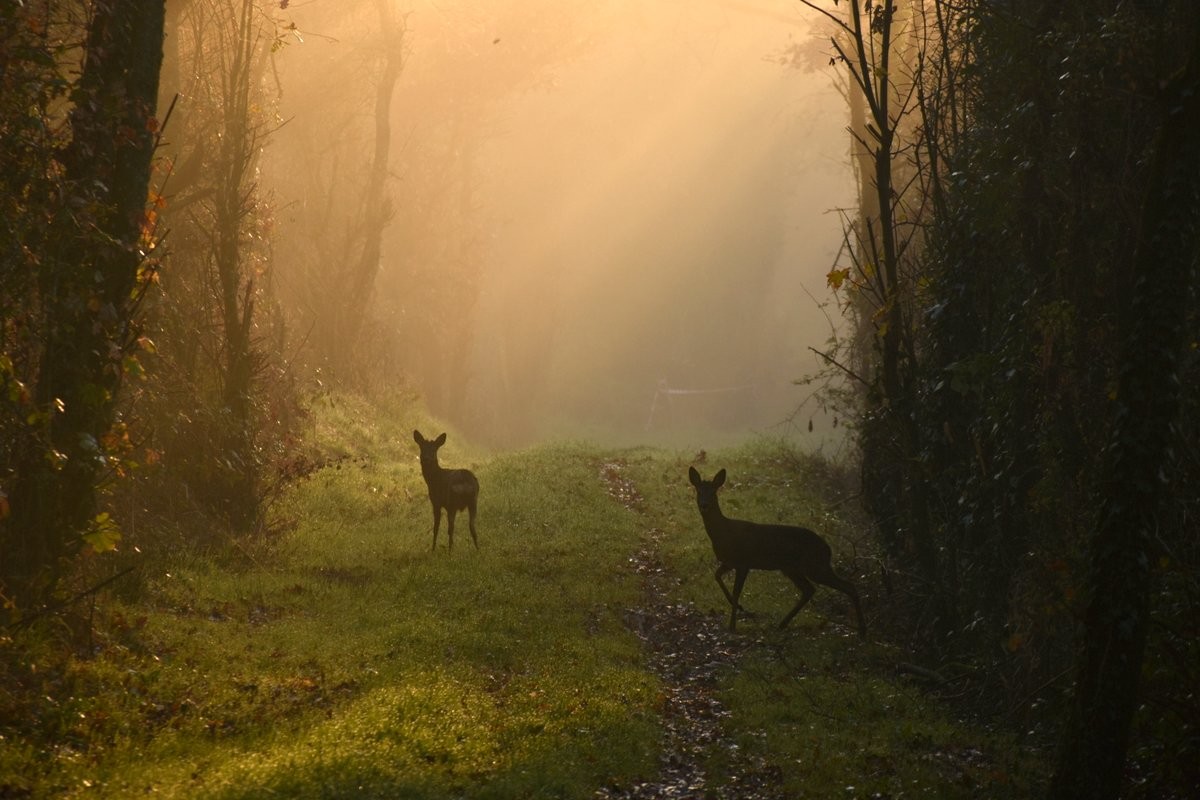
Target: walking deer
[(799, 553), (451, 489)]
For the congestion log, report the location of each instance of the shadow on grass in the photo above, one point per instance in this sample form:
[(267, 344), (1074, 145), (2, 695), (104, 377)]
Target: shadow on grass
[(438, 736)]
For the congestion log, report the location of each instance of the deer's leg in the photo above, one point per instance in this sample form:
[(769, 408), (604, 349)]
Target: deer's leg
[(739, 581), (806, 592), (834, 581), (471, 523), (450, 512), (722, 571), (437, 523)]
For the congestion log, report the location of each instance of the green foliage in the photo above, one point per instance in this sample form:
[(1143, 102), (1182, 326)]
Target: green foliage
[(1038, 128), (104, 534), (1024, 327)]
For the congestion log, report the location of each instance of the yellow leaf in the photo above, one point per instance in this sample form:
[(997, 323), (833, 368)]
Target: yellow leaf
[(837, 277)]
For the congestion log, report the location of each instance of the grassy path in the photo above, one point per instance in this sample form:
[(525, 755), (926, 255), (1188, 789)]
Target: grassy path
[(687, 651), (579, 653)]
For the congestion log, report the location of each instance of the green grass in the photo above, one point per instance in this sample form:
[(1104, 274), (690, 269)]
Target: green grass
[(824, 707), (345, 659)]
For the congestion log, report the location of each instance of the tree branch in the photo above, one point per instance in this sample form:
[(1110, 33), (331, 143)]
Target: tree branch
[(830, 359)]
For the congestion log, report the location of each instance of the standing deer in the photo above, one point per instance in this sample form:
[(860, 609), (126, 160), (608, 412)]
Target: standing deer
[(451, 489), (798, 553)]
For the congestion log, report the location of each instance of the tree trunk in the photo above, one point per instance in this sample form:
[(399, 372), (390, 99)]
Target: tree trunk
[(89, 276), (377, 208), (235, 199), (891, 440)]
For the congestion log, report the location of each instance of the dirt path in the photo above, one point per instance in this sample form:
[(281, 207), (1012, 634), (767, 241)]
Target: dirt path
[(686, 650)]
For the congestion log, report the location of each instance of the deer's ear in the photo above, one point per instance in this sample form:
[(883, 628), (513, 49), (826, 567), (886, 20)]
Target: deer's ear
[(719, 479), (417, 437), (694, 476), (441, 440)]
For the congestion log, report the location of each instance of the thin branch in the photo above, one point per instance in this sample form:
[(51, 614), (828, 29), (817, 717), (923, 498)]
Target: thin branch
[(838, 21), (830, 359)]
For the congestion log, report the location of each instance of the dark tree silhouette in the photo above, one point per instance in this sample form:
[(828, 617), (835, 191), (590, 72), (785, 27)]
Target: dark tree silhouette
[(86, 294)]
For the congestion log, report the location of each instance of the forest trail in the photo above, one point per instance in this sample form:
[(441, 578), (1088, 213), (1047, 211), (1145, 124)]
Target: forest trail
[(685, 650)]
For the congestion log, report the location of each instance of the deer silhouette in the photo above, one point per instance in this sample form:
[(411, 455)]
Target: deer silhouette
[(451, 489), (799, 553)]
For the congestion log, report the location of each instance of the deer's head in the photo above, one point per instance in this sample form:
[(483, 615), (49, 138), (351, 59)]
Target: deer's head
[(706, 491), (429, 448)]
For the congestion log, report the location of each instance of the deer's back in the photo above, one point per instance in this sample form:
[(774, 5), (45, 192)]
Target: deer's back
[(453, 488), (762, 546)]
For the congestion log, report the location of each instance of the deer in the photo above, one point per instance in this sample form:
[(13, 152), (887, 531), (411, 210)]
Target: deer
[(799, 553), (451, 489)]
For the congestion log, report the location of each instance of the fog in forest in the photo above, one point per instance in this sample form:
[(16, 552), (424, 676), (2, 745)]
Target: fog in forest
[(608, 219)]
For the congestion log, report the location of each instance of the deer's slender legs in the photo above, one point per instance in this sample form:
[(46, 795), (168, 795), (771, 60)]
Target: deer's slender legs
[(806, 592), (739, 581), (829, 578), (450, 512), (723, 570), (471, 523), (437, 523)]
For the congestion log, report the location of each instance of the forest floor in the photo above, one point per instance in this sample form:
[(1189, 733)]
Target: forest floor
[(580, 652)]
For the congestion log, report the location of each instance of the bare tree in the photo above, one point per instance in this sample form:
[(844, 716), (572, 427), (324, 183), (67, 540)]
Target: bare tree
[(340, 285), (881, 51), (215, 335)]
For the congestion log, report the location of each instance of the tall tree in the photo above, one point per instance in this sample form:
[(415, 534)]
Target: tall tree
[(340, 248), (86, 291), (214, 380), (377, 206), (244, 46), (876, 43)]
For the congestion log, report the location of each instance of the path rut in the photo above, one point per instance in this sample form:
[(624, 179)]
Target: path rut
[(686, 650)]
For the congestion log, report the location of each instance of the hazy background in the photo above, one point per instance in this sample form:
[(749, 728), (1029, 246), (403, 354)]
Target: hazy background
[(594, 201)]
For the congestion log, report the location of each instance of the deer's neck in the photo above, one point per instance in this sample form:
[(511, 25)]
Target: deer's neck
[(431, 470), (716, 524)]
